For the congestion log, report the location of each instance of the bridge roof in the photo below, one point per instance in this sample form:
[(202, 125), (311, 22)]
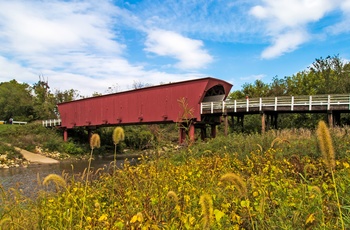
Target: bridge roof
[(154, 104)]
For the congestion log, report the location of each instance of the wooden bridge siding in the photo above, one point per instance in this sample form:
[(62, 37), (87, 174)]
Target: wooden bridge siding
[(158, 104)]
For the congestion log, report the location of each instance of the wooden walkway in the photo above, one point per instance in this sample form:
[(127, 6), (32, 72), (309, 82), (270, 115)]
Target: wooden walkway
[(270, 107), (286, 104)]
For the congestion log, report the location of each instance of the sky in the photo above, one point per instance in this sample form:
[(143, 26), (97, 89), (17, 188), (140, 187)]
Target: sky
[(108, 46)]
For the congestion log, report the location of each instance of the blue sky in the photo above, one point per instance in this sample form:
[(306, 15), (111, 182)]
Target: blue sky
[(106, 46)]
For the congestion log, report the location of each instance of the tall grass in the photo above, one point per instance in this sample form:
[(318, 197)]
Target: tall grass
[(95, 142), (118, 135), (206, 203), (327, 150), (211, 185)]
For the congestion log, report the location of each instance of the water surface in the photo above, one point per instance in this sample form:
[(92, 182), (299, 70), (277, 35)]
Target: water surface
[(26, 179)]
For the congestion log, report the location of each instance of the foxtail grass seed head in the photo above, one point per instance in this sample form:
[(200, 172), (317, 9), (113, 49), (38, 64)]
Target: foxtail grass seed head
[(95, 141), (206, 203), (118, 135), (237, 181), (172, 195), (57, 179), (316, 190), (276, 140), (326, 145)]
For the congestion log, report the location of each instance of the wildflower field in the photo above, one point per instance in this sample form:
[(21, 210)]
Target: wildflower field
[(294, 179)]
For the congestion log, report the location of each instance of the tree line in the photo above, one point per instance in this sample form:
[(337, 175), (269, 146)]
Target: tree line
[(24, 102), (330, 75)]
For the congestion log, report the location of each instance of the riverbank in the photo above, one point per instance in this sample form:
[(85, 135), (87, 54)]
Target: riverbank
[(26, 158), (23, 158)]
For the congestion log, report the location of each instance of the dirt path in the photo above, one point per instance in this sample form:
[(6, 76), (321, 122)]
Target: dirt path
[(35, 158)]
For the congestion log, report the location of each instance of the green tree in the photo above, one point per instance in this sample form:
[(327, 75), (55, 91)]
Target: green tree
[(236, 95), (332, 75), (278, 87), (16, 101), (66, 95), (258, 89), (44, 101)]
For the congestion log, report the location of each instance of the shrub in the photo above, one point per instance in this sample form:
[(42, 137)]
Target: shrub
[(71, 148)]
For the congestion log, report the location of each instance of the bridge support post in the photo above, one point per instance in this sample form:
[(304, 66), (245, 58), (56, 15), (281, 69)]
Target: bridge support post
[(182, 134), (184, 130), (330, 119), (226, 124), (65, 135), (263, 122), (213, 131), (191, 133)]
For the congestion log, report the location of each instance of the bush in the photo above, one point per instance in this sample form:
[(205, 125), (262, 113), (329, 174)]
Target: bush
[(71, 148), (138, 137)]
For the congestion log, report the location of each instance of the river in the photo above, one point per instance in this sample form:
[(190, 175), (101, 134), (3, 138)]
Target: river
[(26, 179)]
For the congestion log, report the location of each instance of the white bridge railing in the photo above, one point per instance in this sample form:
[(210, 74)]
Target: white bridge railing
[(14, 122), (51, 123), (289, 103)]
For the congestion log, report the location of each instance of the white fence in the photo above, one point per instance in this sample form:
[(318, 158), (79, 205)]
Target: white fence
[(14, 122), (51, 122)]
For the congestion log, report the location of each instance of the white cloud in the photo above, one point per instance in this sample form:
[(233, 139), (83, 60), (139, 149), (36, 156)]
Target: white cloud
[(342, 26), (345, 5), (75, 45), (285, 43), (11, 70), (34, 26), (286, 22), (187, 51), (291, 13)]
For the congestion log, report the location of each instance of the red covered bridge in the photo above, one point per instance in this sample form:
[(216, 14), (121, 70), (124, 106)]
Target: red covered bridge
[(168, 103)]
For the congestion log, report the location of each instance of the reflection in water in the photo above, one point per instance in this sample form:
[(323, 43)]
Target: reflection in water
[(26, 179)]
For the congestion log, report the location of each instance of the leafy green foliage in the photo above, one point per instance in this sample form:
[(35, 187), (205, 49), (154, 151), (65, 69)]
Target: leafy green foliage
[(10, 151), (23, 102), (74, 149), (15, 101), (138, 137)]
